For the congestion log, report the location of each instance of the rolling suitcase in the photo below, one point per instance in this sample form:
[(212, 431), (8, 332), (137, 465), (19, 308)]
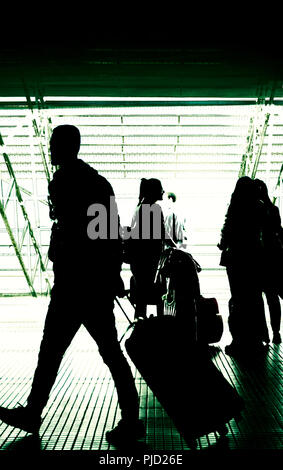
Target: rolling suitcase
[(183, 297), (171, 354), (188, 385)]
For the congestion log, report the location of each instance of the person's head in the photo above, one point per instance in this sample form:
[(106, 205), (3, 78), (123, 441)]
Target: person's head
[(262, 190), (151, 190), (171, 197), (64, 144), (245, 190)]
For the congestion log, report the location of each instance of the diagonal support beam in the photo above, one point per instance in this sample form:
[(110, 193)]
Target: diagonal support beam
[(278, 184), (263, 133), (24, 212), (10, 189), (248, 154), (26, 218), (38, 136), (45, 166), (18, 253), (253, 138)]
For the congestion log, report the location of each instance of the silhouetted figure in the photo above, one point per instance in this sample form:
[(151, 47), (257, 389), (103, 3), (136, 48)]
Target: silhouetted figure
[(86, 280), (148, 240), (272, 238), (243, 256), (174, 223)]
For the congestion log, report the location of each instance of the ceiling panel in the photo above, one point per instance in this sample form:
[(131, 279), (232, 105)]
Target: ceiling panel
[(187, 72)]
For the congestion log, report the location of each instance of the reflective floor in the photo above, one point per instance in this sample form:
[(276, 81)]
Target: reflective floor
[(83, 401)]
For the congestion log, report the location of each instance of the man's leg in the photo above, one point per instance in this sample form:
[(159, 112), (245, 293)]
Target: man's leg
[(138, 290), (235, 312), (275, 313), (246, 319), (102, 328), (58, 332), (104, 332)]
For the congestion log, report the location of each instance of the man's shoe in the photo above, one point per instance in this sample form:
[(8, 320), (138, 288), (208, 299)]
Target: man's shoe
[(22, 418), (276, 338), (125, 432)]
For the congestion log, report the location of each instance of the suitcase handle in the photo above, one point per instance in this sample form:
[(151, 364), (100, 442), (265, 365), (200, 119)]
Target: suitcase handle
[(118, 302), (131, 323)]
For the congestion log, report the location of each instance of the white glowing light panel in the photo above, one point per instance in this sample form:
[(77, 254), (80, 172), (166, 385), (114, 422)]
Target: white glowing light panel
[(195, 150)]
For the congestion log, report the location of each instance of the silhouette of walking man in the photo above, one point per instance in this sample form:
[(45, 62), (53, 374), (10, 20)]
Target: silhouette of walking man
[(86, 281)]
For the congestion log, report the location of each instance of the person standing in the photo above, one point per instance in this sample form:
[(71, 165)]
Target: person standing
[(149, 238), (243, 255), (174, 223), (273, 248)]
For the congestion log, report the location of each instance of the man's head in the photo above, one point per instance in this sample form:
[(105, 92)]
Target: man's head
[(64, 144), (171, 197)]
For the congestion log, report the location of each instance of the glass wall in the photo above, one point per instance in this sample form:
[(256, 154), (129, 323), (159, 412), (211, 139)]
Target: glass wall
[(196, 149)]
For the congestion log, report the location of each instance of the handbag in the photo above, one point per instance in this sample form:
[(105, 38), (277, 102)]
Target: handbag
[(173, 259)]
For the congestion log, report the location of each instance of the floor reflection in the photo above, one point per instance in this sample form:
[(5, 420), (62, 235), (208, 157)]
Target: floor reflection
[(30, 443)]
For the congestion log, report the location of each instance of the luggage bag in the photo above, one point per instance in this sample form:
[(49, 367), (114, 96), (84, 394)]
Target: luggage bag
[(183, 297), (172, 356), (182, 376), (209, 328)]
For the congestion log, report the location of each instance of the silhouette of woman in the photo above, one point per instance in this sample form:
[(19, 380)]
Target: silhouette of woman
[(242, 255), (149, 236), (272, 272)]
